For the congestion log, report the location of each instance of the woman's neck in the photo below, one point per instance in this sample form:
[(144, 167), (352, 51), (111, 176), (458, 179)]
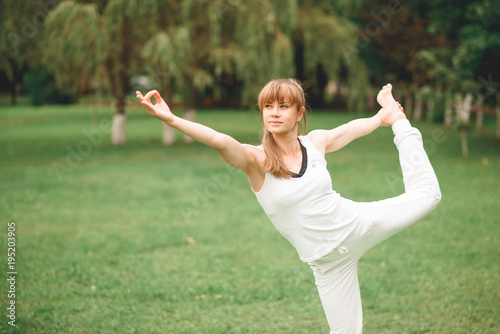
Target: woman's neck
[(288, 144)]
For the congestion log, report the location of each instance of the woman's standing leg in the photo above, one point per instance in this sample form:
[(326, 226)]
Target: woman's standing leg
[(336, 278)]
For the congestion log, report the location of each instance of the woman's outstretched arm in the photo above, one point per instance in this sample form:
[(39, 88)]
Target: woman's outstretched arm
[(332, 140), (238, 155)]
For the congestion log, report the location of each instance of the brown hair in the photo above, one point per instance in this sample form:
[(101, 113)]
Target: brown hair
[(280, 90)]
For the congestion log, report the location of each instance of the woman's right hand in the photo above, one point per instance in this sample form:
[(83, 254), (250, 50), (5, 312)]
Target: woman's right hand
[(159, 110)]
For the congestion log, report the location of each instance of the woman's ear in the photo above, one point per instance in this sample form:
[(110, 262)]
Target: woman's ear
[(301, 114)]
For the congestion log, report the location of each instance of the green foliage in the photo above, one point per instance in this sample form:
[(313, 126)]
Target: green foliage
[(72, 35), (20, 43), (390, 34), (328, 40), (459, 69), (192, 47), (254, 42), (42, 88), (473, 30), (98, 41)]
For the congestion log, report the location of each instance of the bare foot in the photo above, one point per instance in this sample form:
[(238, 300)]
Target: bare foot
[(391, 110)]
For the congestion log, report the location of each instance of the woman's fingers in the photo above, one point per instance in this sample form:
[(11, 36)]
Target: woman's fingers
[(155, 94), (139, 95), (153, 109), (148, 106), (144, 102)]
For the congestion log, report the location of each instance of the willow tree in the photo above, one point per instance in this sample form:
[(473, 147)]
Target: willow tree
[(259, 40), (328, 39), (250, 42), (11, 60), (200, 42), (99, 40), (20, 23), (179, 53)]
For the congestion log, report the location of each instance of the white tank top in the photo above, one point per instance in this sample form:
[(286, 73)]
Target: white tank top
[(306, 210)]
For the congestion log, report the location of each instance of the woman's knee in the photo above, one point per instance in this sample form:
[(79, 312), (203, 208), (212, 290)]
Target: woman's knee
[(433, 194), (436, 197), (430, 198)]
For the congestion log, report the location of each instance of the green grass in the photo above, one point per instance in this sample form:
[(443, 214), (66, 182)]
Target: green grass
[(175, 242)]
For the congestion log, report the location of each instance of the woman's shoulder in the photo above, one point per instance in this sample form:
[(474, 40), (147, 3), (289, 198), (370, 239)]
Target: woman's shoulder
[(317, 138)]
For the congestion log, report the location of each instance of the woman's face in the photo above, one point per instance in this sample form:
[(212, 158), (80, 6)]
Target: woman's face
[(281, 117)]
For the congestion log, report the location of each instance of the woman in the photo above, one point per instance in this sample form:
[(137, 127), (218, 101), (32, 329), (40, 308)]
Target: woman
[(288, 174)]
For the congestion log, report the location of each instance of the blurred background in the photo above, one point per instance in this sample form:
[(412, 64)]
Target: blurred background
[(123, 225), (441, 56)]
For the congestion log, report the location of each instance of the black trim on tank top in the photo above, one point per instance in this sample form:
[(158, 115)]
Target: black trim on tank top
[(304, 161)]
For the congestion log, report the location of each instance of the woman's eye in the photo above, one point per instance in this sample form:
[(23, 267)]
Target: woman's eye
[(284, 106), (268, 106)]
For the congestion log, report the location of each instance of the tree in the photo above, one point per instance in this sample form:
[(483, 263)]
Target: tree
[(331, 49), (21, 23), (212, 40), (193, 45), (100, 40), (179, 53), (260, 40), (474, 30), (480, 40), (394, 32)]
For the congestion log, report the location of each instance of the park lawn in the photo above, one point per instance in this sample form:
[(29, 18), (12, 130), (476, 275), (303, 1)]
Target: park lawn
[(143, 238)]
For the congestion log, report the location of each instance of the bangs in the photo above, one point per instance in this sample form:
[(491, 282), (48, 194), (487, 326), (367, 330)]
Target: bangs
[(281, 91)]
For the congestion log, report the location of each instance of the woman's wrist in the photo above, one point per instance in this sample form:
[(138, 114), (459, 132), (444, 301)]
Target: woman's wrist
[(169, 121)]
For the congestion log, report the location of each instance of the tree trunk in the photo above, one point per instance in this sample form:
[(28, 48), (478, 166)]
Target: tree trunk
[(168, 135), (463, 111), (497, 109), (430, 109), (18, 71), (122, 83), (13, 95), (119, 121), (465, 146), (417, 112), (448, 111), (118, 132), (408, 106), (463, 108), (370, 98), (479, 114), (168, 132)]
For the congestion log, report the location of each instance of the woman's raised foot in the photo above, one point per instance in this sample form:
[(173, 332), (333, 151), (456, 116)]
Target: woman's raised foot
[(391, 110)]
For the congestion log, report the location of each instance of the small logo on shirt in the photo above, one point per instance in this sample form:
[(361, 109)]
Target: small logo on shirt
[(313, 165)]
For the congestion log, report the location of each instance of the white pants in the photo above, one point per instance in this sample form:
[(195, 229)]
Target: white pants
[(336, 273)]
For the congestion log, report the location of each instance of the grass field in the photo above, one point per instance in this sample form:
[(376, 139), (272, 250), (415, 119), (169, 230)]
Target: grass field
[(147, 239)]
